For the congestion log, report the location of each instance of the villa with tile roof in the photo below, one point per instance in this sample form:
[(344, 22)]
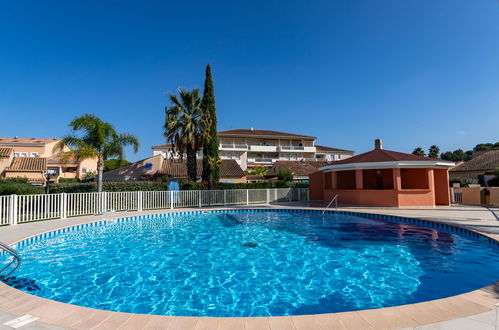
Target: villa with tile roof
[(251, 147), (481, 166), (33, 158)]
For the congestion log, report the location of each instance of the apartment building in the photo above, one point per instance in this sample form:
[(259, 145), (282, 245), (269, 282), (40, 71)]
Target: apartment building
[(251, 147), (32, 158)]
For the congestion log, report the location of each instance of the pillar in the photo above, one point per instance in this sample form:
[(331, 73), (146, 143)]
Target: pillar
[(359, 180), (397, 179)]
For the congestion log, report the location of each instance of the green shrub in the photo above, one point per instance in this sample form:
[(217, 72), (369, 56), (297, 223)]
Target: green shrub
[(464, 182), (285, 175), (106, 186), (68, 180), (19, 186)]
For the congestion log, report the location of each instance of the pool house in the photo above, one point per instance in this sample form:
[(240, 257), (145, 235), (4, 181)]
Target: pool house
[(383, 178)]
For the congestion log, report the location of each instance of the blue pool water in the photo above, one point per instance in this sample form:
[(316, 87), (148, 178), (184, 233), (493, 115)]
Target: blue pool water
[(253, 264)]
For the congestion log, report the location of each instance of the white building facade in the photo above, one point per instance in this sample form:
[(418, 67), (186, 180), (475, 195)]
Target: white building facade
[(250, 147)]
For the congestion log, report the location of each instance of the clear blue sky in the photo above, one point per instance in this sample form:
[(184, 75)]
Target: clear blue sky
[(412, 72)]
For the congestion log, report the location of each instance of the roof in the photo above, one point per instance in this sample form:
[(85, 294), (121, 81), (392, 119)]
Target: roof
[(135, 170), (177, 168), (5, 152), (28, 164), (486, 162), (379, 158), (298, 168), (21, 140), (258, 132), (324, 148), (382, 155), (162, 146)]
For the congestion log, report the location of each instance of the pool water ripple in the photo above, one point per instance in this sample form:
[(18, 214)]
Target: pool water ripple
[(253, 264)]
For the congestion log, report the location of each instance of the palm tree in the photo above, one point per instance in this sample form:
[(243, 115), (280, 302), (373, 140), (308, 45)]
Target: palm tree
[(184, 127), (418, 151), (434, 151), (99, 140)]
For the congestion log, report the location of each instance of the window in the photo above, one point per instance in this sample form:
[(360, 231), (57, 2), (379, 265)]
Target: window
[(84, 170), (34, 154), (148, 166), (21, 154)]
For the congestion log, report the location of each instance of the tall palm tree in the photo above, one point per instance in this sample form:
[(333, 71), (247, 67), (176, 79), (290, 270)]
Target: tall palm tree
[(97, 139), (184, 127)]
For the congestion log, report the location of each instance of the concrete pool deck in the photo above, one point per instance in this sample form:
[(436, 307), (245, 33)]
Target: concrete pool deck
[(473, 310)]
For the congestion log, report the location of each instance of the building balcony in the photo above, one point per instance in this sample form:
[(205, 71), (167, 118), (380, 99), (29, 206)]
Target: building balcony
[(261, 160), (260, 148), (296, 148), (233, 147)]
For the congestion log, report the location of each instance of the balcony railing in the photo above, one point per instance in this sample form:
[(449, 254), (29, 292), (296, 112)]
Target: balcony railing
[(292, 148), (233, 146), (261, 160)]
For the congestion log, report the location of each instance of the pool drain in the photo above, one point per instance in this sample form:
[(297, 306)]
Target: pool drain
[(250, 244)]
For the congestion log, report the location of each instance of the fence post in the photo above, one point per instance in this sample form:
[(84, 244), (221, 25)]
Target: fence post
[(247, 196), (139, 201), (199, 194), (171, 199), (103, 203), (63, 204), (307, 194), (13, 210), (225, 197), (452, 197), (268, 196)]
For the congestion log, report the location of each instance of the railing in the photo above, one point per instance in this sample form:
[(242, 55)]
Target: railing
[(335, 199), (456, 195), (15, 259), (233, 146), (16, 209)]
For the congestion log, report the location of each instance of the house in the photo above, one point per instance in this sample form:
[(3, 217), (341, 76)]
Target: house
[(251, 147), (383, 178), (480, 167), (153, 168), (301, 170), (33, 158)]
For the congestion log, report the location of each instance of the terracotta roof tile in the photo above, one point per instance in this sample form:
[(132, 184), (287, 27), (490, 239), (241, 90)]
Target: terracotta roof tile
[(486, 162), (381, 155), (28, 164), (21, 140), (324, 148), (298, 168), (177, 168), (259, 132), (5, 152)]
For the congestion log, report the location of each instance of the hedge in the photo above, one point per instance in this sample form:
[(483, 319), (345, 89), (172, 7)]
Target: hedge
[(106, 186), (19, 186)]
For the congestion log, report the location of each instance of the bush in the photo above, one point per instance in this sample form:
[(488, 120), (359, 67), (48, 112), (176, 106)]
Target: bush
[(19, 186), (464, 182), (285, 176), (106, 186), (68, 180)]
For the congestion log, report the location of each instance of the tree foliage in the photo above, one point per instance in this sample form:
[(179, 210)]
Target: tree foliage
[(418, 151), (112, 164), (433, 151), (285, 175), (93, 138), (184, 126), (257, 170), (210, 138)]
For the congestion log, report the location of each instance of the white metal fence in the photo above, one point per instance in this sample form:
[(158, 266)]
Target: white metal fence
[(16, 209)]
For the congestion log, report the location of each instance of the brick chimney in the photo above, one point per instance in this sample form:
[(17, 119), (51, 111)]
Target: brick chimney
[(378, 144)]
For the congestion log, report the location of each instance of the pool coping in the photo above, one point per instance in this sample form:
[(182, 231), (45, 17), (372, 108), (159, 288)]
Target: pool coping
[(65, 315)]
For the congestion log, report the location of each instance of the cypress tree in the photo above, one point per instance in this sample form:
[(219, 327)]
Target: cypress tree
[(210, 145)]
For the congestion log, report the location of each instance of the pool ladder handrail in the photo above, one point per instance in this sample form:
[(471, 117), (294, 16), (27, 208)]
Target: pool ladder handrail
[(16, 258), (334, 199)]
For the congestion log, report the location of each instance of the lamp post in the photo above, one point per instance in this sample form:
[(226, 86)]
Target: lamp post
[(48, 175)]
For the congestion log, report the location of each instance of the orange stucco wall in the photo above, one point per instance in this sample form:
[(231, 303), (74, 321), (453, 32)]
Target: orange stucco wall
[(435, 191), (316, 187)]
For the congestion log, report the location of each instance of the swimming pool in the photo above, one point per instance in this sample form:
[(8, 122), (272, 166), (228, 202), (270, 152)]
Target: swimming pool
[(254, 263)]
